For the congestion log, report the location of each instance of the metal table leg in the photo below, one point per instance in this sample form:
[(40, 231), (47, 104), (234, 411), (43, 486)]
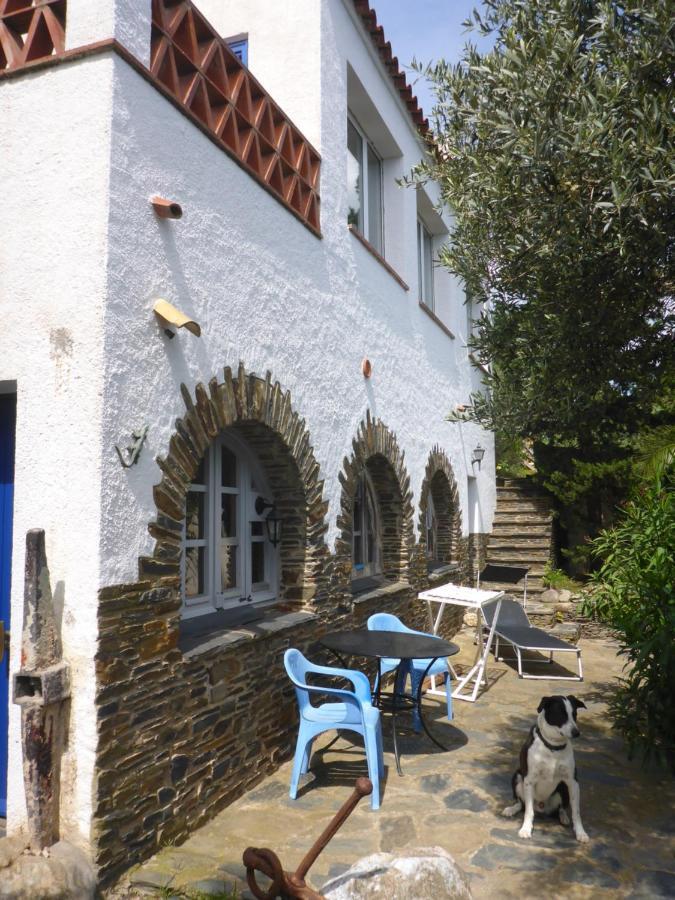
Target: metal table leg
[(419, 706), (478, 672)]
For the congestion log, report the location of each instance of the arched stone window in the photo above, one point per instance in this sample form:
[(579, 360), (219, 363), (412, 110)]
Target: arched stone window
[(375, 521), (228, 558), (440, 519)]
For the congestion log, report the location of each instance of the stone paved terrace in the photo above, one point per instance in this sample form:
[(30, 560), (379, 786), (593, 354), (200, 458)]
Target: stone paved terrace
[(453, 800)]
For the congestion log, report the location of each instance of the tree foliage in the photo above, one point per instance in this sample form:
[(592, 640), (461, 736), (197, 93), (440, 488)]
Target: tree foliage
[(555, 151)]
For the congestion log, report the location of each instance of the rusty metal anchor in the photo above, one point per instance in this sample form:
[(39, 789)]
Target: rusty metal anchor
[(289, 886)]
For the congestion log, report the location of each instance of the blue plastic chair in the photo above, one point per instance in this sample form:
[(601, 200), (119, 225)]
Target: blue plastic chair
[(354, 712), (413, 667)]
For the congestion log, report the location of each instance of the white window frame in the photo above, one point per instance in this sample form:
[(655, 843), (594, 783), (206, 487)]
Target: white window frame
[(372, 567), (425, 279), (364, 224), (250, 484)]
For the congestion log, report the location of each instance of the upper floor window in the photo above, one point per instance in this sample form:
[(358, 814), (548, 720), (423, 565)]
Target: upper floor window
[(364, 185), (228, 558), (425, 264), (239, 46), (366, 556)]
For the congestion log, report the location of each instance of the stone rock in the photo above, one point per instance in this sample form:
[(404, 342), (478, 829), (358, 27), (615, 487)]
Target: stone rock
[(423, 872), (67, 874), (549, 596), (564, 596), (566, 631), (11, 847)]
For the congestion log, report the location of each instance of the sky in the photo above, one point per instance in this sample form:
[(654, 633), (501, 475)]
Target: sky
[(425, 29)]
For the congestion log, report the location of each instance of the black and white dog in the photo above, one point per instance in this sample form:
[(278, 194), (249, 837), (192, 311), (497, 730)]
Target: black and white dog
[(546, 781)]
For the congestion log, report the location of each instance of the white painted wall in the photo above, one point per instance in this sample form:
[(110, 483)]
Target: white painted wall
[(266, 291), (55, 150), (84, 146)]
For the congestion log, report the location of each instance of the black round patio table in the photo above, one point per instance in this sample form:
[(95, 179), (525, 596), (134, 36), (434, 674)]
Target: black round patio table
[(392, 645)]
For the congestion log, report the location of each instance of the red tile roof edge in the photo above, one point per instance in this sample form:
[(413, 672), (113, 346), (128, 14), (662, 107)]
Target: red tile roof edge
[(397, 75)]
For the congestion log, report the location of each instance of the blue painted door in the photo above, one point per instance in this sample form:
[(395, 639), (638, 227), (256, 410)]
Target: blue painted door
[(7, 437)]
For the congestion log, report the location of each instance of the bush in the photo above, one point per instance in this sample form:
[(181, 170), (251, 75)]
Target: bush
[(635, 595)]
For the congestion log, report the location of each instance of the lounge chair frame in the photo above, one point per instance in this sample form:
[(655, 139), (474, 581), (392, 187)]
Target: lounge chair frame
[(540, 642)]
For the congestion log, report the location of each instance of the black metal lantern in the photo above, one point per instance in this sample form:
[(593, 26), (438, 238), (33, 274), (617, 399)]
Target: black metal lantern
[(273, 522), (478, 454)]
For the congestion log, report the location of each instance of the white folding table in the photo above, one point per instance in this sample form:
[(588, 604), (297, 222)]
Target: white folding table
[(469, 598)]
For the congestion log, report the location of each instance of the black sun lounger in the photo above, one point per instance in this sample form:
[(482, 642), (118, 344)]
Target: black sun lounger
[(493, 572), (514, 628)]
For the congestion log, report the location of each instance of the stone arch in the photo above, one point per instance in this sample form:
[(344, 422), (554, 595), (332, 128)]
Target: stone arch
[(439, 480), (262, 413), (375, 448)]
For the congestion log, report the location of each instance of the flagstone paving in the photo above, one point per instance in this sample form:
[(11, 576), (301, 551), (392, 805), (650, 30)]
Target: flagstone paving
[(453, 799)]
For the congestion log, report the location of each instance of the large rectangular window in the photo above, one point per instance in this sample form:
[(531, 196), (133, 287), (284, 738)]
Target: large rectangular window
[(364, 186), (425, 265)]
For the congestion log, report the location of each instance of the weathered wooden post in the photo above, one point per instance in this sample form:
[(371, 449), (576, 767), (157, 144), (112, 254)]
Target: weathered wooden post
[(40, 688)]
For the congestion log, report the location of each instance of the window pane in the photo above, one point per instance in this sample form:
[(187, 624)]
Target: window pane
[(428, 269), (358, 551), (194, 515), (257, 562), (228, 566), (257, 529), (420, 257), (374, 200), (228, 475), (228, 518), (354, 177), (194, 571)]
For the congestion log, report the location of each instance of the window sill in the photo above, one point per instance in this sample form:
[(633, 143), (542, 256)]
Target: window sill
[(440, 573), (378, 256), (385, 590), (432, 315), (271, 621), (478, 364)]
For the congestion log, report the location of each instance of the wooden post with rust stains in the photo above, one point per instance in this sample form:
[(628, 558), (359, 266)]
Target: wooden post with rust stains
[(40, 688)]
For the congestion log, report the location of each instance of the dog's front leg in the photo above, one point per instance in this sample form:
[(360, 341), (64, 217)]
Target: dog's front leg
[(579, 832), (528, 799)]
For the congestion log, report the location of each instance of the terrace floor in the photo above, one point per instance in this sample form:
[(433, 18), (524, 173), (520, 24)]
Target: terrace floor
[(453, 799)]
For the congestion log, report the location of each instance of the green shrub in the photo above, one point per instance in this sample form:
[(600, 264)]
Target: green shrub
[(635, 594), (556, 578)]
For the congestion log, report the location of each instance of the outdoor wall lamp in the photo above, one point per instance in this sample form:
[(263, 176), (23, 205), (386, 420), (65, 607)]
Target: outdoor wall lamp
[(169, 315), (273, 522), (478, 454)]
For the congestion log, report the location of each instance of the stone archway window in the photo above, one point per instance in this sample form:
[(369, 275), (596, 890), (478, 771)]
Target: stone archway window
[(366, 551), (228, 560), (431, 528)]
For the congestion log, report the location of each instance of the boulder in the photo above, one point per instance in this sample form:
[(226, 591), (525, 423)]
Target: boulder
[(413, 873), (60, 873), (549, 596)]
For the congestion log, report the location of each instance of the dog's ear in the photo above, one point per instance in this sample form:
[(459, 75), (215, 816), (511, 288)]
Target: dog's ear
[(577, 704), (543, 703)]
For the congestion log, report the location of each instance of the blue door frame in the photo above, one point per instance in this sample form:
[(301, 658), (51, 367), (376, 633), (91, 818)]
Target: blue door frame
[(7, 441)]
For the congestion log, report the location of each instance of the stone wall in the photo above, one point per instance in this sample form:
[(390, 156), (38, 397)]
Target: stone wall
[(182, 734)]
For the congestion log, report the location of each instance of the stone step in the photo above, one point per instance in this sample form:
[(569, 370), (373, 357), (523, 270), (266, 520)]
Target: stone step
[(526, 528), (518, 557), (516, 492), (510, 516), (521, 542), (517, 504)]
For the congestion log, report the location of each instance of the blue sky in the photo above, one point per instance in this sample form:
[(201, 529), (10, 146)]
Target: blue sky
[(427, 30)]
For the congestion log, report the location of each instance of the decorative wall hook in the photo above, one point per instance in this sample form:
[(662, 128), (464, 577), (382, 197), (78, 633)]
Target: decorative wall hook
[(366, 367), (133, 451), (166, 209)]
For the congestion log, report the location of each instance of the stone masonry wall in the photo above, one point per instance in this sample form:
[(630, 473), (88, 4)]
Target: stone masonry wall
[(181, 735)]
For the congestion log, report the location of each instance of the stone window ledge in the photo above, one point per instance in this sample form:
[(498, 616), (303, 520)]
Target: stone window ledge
[(378, 256), (273, 622), (443, 572), (379, 593)]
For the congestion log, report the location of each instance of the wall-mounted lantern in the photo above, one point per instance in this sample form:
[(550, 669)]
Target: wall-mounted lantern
[(477, 456), (169, 315), (273, 522)]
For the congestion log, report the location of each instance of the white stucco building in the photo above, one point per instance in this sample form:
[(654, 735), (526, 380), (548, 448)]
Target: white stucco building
[(300, 258)]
